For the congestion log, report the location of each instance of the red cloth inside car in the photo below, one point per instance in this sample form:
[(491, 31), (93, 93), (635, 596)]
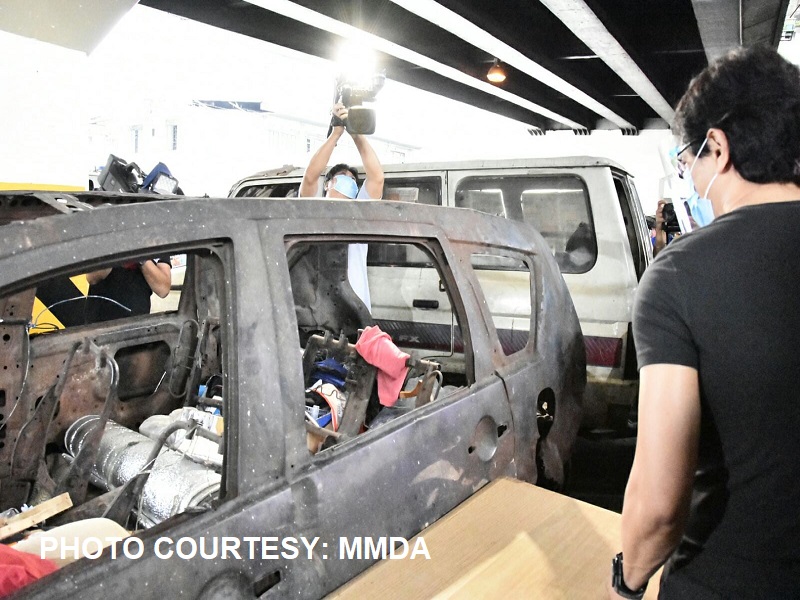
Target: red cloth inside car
[(377, 348), (18, 569)]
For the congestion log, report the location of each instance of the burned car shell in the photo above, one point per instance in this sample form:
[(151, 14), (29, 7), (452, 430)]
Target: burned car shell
[(392, 481)]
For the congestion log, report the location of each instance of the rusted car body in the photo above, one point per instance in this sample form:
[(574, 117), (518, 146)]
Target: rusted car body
[(265, 294)]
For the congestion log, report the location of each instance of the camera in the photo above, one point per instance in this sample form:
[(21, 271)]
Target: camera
[(360, 119), (354, 93)]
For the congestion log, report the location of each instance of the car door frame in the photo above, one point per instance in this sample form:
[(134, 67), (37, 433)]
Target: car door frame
[(387, 504), (257, 490)]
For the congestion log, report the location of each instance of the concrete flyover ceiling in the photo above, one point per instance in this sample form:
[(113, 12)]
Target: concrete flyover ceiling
[(570, 64), (727, 24), (76, 24)]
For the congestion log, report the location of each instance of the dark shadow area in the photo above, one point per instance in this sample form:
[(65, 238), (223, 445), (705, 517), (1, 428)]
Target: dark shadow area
[(598, 471)]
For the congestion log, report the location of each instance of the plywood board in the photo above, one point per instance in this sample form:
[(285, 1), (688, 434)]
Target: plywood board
[(510, 540), (35, 515)]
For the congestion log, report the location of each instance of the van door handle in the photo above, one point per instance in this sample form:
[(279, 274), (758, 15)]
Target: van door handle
[(425, 304)]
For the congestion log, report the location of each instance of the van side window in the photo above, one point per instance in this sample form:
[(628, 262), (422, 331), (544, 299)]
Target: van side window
[(506, 285), (422, 190), (630, 225), (557, 206), (488, 200)]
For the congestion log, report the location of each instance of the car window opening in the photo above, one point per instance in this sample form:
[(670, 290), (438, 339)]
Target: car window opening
[(365, 367), (123, 415)]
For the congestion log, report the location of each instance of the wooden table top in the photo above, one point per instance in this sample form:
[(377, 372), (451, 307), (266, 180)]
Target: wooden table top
[(510, 540)]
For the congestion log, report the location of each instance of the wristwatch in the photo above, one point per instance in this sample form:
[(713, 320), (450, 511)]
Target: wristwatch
[(618, 581)]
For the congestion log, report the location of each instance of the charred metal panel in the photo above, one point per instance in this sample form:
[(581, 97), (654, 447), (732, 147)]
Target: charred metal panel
[(323, 297), (240, 318)]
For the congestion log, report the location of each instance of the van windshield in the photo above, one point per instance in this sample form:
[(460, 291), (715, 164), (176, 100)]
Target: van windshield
[(557, 206)]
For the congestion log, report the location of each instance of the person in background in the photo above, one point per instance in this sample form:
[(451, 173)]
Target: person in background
[(336, 184), (660, 237), (341, 181), (124, 291), (714, 491)]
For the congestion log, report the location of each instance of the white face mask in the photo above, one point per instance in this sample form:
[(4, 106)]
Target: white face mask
[(696, 211)]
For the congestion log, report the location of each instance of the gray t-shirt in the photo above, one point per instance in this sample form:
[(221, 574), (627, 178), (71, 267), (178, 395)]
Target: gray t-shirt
[(724, 300)]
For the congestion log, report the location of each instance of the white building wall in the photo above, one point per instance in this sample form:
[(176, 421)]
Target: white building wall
[(215, 147), (42, 103)]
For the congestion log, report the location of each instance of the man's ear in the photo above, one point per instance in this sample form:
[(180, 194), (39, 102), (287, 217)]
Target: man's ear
[(719, 148)]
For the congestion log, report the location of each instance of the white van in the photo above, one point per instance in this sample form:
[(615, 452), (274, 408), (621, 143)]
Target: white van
[(586, 209)]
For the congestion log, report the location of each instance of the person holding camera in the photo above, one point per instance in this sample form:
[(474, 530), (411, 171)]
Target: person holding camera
[(341, 181), (660, 235), (665, 226), (336, 184), (125, 290), (714, 491)]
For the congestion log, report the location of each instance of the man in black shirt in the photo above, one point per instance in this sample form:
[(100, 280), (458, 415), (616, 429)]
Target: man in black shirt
[(715, 486), (125, 290)]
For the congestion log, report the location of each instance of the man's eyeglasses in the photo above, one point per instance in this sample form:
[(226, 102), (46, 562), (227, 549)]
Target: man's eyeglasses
[(677, 151), (680, 166)]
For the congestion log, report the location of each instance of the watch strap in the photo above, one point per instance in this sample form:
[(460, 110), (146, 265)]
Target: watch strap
[(618, 581)]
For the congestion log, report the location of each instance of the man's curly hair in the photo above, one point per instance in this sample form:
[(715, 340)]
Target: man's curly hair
[(753, 95)]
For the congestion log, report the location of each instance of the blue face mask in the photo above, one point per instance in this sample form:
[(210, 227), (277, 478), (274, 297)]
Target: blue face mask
[(345, 185), (702, 212)]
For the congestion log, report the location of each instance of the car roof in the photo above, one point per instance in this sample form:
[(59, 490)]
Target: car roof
[(101, 213)]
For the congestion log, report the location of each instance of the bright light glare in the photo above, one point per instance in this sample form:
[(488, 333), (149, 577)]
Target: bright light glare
[(315, 19), (356, 62)]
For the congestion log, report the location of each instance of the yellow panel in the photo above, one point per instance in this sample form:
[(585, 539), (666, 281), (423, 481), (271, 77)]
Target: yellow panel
[(42, 187), (80, 282), (42, 315)]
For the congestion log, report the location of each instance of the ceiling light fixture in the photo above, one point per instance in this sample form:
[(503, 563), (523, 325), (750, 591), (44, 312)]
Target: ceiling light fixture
[(473, 34), (496, 73)]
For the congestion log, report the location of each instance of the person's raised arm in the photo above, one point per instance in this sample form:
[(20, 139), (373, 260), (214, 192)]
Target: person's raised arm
[(373, 171), (661, 232), (158, 276), (96, 277), (310, 184), (659, 488)]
